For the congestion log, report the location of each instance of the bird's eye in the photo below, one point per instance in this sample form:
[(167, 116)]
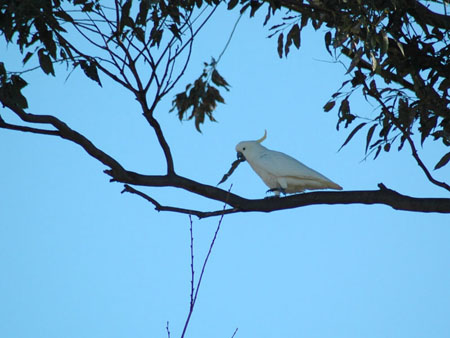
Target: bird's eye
[(243, 148)]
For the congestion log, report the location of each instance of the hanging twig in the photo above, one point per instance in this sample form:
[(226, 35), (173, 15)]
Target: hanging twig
[(194, 291)]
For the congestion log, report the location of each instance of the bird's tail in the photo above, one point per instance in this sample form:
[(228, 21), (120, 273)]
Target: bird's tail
[(332, 185)]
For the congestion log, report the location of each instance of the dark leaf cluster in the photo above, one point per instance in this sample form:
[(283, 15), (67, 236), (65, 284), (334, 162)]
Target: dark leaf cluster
[(402, 42), (145, 46), (36, 27), (10, 89), (200, 98), (398, 46)]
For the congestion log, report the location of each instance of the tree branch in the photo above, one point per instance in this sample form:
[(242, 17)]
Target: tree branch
[(148, 114), (238, 204), (6, 125), (423, 15), (65, 132), (205, 262), (406, 135), (383, 196), (383, 73), (159, 207)]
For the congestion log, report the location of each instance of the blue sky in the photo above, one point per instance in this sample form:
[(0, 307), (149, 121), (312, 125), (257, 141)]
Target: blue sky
[(79, 259)]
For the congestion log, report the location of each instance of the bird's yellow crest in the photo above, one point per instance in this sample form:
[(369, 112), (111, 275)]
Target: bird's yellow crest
[(262, 138)]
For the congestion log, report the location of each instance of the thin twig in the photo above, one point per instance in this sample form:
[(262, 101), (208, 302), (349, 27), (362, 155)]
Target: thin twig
[(6, 125), (190, 44), (230, 37), (168, 331), (208, 254), (192, 262), (235, 331), (159, 207), (205, 262)]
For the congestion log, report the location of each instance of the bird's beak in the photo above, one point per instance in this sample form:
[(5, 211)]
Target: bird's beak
[(240, 156)]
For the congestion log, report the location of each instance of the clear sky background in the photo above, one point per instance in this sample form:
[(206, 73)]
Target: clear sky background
[(80, 259)]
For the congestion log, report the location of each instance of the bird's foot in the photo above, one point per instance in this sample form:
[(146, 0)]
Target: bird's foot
[(277, 190), (273, 197)]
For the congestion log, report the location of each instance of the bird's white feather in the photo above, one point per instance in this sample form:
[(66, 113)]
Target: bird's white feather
[(281, 171)]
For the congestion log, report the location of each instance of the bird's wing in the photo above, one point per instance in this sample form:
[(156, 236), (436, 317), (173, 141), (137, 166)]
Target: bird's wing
[(280, 164)]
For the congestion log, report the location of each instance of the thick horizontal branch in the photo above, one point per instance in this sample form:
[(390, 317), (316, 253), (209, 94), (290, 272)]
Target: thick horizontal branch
[(382, 196), (237, 203), (64, 131)]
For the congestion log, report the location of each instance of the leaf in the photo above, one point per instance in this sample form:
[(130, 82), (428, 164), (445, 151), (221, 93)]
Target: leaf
[(244, 8), (156, 36), (377, 152), (426, 126), (139, 33), (373, 86), (126, 8), (304, 21), (355, 60), (276, 26), (144, 6), (18, 82), (287, 45), (294, 35), (400, 46), (175, 31), (219, 80), (375, 63), (125, 19), (328, 41), (280, 45), (385, 43), (369, 136), (215, 94), (91, 71), (402, 142), (354, 131), (63, 15), (45, 62), (336, 94), (27, 57), (11, 92), (232, 4), (444, 84), (254, 7), (199, 119), (266, 20), (443, 161), (234, 165), (88, 7), (358, 78), (329, 105), (344, 107), (63, 43)]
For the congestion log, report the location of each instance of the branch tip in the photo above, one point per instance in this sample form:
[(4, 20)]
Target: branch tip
[(383, 187)]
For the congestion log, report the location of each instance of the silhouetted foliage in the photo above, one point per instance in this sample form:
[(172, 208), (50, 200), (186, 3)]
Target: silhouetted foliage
[(397, 53)]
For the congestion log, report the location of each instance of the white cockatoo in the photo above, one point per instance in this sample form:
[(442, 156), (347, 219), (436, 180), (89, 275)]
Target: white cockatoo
[(281, 172)]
